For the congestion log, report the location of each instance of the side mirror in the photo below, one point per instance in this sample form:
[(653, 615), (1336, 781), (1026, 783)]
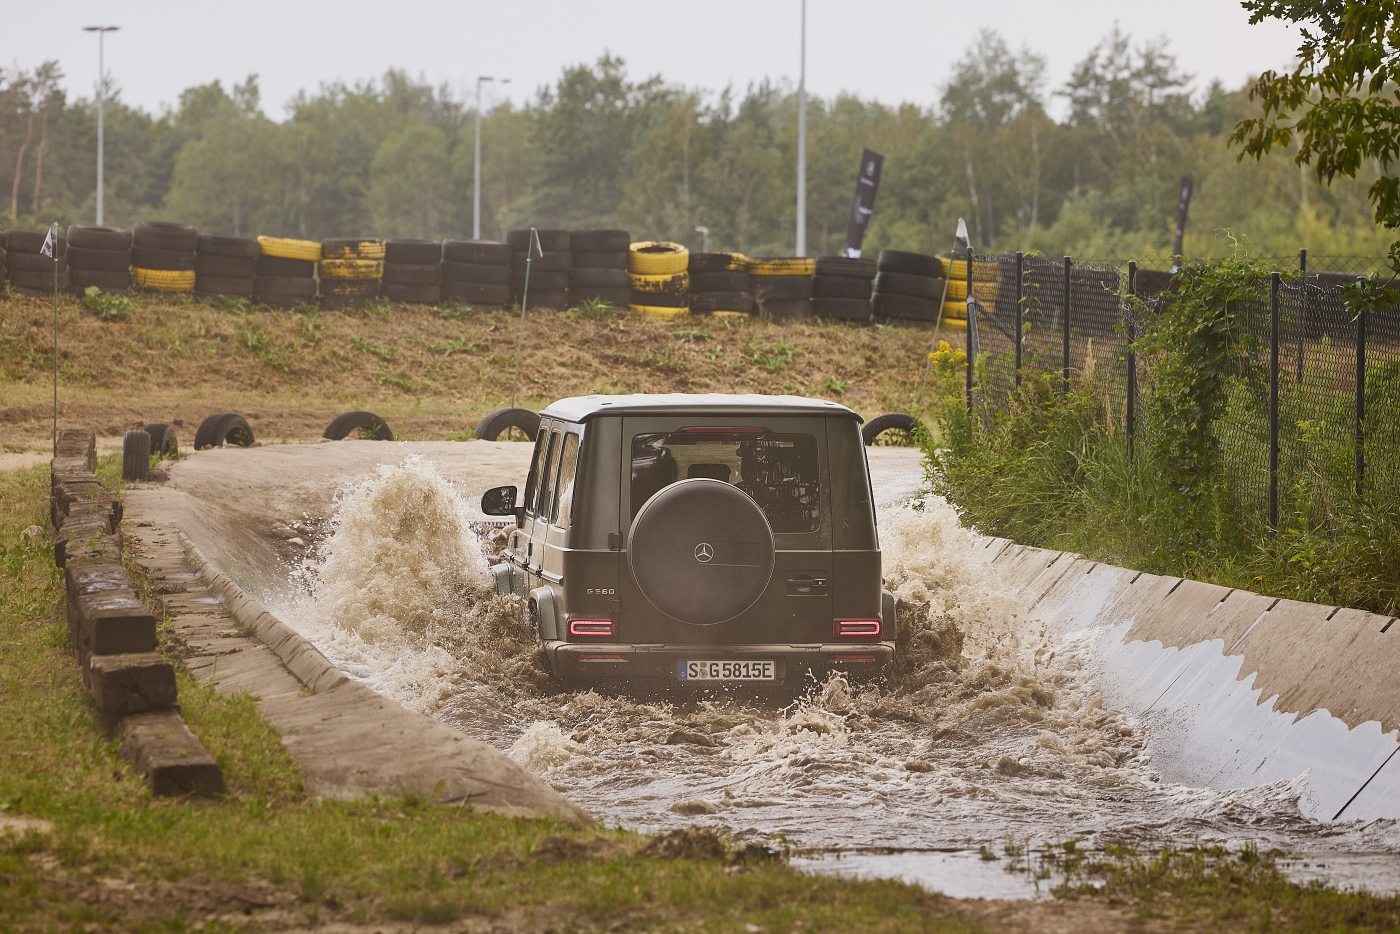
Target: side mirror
[(499, 501)]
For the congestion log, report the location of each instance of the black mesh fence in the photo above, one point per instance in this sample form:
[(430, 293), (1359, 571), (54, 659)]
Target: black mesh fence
[(1080, 317)]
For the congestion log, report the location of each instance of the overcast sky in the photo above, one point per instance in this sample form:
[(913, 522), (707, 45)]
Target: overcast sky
[(890, 50)]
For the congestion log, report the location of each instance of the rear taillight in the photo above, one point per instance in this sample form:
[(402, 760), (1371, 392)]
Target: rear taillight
[(857, 628), (592, 628)]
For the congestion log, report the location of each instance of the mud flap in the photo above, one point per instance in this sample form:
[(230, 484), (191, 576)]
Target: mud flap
[(889, 624), (543, 615)]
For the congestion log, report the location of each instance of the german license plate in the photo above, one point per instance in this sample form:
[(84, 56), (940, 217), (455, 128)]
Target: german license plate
[(733, 670)]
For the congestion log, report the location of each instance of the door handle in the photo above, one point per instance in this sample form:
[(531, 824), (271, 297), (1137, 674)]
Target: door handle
[(806, 585)]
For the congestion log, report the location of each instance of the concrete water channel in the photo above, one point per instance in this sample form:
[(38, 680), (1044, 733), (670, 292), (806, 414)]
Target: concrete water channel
[(1045, 697)]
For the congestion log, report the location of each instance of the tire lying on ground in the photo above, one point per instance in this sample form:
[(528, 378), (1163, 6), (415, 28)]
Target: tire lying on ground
[(364, 425), (905, 307), (912, 264), (284, 291), (908, 286), (136, 455), (658, 258), (598, 271), (494, 424), (163, 255), (223, 428), (476, 272), (225, 266), (99, 256), (29, 271), (164, 443), (842, 309), (897, 426), (286, 248)]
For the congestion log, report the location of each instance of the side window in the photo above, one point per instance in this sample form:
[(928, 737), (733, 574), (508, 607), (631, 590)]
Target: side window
[(551, 468), (532, 481), (564, 488)]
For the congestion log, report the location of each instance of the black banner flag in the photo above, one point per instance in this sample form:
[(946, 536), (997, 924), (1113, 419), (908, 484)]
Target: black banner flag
[(867, 183)]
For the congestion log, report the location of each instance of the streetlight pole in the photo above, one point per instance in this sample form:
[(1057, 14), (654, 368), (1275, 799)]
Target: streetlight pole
[(704, 233), (476, 162), (802, 142), (101, 96)]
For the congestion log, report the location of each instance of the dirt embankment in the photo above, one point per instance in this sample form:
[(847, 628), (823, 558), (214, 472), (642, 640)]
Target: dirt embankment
[(431, 372)]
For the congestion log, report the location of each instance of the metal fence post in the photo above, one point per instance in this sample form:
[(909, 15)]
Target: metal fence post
[(1064, 329), (1360, 399), (1306, 306), (967, 327), (1274, 281), (1020, 297), (1132, 358)]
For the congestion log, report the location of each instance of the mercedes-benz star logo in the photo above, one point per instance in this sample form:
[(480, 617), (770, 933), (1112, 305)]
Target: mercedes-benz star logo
[(704, 553)]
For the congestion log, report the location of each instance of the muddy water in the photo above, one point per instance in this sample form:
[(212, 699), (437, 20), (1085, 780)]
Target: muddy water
[(988, 733)]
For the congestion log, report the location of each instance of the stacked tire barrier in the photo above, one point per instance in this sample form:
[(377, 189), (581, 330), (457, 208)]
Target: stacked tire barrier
[(99, 257), (114, 633), (659, 278), (719, 285), (476, 272), (598, 270), (351, 270), (841, 288), (162, 256), (954, 271), (29, 271), (225, 267), (782, 287), (549, 274), (412, 271), (908, 287), (286, 271)]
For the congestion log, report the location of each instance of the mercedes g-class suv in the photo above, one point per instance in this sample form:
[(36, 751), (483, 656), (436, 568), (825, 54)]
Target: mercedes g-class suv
[(700, 540)]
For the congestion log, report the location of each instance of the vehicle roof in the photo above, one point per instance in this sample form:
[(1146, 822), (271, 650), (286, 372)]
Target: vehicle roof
[(581, 408)]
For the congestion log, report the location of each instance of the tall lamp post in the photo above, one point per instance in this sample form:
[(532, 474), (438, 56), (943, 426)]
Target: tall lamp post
[(476, 162), (101, 96), (802, 142)]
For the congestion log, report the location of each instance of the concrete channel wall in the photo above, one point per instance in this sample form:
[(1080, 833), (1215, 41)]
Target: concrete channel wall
[(1237, 689)]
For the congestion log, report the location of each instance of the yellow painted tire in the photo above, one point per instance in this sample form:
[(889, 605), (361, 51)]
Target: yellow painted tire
[(660, 285), (657, 258), (656, 311), (955, 324), (730, 314), (163, 280), (955, 309), (358, 269), (352, 249), (957, 290), (290, 249), (953, 268), (783, 266)]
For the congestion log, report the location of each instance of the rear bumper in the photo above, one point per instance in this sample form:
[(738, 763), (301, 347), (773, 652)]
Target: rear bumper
[(615, 663)]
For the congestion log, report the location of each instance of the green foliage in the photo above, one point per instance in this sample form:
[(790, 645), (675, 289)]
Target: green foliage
[(774, 356), (109, 306), (591, 309)]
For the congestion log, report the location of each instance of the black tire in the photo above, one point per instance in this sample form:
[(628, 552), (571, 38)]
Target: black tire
[(280, 288), (846, 267), (549, 262), (38, 283), (501, 421), (898, 283), (283, 268), (136, 455), (842, 309), (164, 443), (365, 425), (474, 293), (599, 241), (223, 428), (587, 260), (841, 287), (907, 307), (32, 262), (780, 288), (911, 264), (475, 273), (244, 247), (598, 279), (479, 252), (224, 285), (705, 303), (165, 235), (90, 260), (551, 241), (412, 294), (413, 252), (549, 280), (30, 241), (557, 299), (715, 262), (898, 424), (146, 257), (726, 281), (80, 279), (788, 309), (661, 299), (216, 264), (405, 274), (616, 297), (105, 239)]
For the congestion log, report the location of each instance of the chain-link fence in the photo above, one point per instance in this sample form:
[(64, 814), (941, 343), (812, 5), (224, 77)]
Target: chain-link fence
[(1312, 394)]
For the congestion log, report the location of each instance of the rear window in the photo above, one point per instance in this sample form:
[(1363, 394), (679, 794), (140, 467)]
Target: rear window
[(779, 472)]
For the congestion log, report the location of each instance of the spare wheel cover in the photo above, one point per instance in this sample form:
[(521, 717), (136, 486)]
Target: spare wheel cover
[(701, 551)]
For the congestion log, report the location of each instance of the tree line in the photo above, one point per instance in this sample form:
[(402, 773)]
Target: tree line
[(599, 147)]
